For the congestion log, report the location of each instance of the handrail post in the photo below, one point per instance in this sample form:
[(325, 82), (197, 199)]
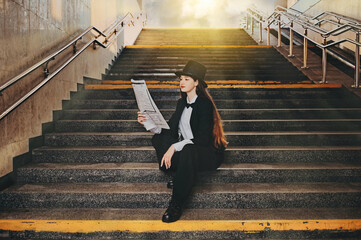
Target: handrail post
[(291, 41), (279, 32), (324, 62), (247, 18), (268, 34), (260, 33), (305, 46), (252, 27), (357, 62)]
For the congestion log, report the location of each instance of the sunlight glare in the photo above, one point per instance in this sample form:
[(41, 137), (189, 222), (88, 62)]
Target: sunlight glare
[(198, 8)]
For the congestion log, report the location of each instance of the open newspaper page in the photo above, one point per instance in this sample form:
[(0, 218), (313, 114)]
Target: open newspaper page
[(147, 106)]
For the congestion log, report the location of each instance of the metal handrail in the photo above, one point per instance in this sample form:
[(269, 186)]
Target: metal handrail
[(337, 16), (52, 56), (353, 26), (45, 60), (48, 77)]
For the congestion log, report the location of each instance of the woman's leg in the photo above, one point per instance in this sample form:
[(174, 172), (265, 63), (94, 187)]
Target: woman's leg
[(184, 178), (209, 158), (185, 175)]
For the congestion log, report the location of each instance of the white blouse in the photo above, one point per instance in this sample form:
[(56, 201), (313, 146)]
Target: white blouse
[(184, 127)]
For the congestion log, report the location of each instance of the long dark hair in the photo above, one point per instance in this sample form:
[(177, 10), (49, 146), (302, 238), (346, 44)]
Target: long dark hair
[(219, 140)]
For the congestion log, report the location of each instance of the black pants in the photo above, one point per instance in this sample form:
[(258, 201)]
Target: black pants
[(186, 163)]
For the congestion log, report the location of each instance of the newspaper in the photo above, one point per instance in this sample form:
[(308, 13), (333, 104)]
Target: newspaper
[(147, 106)]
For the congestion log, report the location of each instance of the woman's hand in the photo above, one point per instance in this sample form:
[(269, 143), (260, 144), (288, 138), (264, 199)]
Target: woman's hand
[(167, 158), (141, 118)]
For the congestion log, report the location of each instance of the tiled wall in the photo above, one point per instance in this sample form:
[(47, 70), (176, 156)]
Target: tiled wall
[(29, 31)]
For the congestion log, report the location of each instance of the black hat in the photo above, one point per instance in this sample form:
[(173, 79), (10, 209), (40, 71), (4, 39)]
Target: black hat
[(195, 70)]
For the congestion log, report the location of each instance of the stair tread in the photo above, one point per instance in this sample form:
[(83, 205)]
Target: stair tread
[(226, 133), (188, 214), (233, 148), (204, 188), (223, 167), (222, 109), (230, 121), (216, 100)]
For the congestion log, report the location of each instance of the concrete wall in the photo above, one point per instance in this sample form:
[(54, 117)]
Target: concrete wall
[(267, 6), (290, 3), (29, 31)]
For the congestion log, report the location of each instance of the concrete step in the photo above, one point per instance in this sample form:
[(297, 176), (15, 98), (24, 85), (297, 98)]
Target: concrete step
[(154, 42), (208, 57), (211, 65), (238, 71), (246, 224), (212, 51), (200, 49), (228, 125), (238, 64), (248, 76), (234, 139), (226, 114), (221, 93), (222, 104), (227, 173), (208, 54), (205, 195), (177, 67), (180, 48), (146, 154), (241, 58), (124, 67), (193, 42), (223, 62), (197, 49), (211, 73)]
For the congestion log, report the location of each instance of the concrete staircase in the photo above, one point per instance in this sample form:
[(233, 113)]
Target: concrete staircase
[(292, 168)]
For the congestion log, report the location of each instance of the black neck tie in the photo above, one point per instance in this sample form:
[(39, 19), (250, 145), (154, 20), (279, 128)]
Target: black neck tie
[(189, 105)]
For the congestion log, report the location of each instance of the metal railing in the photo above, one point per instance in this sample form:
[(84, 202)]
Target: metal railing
[(313, 24), (109, 34)]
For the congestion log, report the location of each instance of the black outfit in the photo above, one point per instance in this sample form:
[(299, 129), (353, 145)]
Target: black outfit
[(200, 156)]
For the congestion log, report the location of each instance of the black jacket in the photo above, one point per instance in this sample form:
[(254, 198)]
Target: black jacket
[(201, 121)]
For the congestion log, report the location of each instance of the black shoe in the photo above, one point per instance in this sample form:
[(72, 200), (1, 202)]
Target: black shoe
[(173, 213), (170, 184)]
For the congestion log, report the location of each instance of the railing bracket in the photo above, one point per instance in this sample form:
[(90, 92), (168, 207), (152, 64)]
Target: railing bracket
[(74, 45), (46, 69)]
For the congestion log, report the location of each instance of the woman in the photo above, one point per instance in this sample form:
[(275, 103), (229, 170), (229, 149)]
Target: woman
[(195, 141)]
